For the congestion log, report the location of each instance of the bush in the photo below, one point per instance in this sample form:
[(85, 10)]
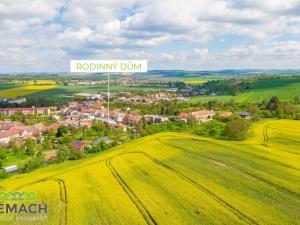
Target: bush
[(63, 153), (212, 128), (93, 149), (236, 129), (33, 164), (297, 117), (3, 174), (75, 154)]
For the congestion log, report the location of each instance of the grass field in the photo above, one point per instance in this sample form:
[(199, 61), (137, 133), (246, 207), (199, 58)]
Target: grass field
[(286, 89), (23, 90), (177, 178)]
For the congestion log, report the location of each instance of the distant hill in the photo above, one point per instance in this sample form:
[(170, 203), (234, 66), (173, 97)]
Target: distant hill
[(167, 73)]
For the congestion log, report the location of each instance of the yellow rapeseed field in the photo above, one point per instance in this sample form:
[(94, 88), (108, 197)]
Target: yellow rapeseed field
[(195, 82), (177, 178), (24, 90)]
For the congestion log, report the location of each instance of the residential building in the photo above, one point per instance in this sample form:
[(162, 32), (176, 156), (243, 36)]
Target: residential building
[(155, 118), (132, 119), (78, 145), (245, 115), (200, 116)]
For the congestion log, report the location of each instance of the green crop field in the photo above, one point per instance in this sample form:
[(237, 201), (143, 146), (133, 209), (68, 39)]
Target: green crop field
[(177, 178), (4, 86), (286, 89)]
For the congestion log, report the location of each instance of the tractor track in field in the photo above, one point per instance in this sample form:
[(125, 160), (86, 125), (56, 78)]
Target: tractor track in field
[(219, 200), (62, 195), (133, 197), (268, 127), (246, 152), (266, 139), (260, 157), (275, 186), (265, 135)]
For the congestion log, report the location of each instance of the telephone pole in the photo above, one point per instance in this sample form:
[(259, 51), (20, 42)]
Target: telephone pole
[(108, 96)]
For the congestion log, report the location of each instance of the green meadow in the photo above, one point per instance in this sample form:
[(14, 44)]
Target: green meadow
[(286, 89), (177, 178)]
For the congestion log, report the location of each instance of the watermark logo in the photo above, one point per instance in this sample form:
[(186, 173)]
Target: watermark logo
[(21, 206), (109, 66), (6, 196)]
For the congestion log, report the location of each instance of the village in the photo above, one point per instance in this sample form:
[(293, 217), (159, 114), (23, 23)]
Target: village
[(86, 110), (76, 114)]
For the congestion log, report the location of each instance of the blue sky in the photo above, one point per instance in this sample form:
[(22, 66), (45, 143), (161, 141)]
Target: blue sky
[(43, 35)]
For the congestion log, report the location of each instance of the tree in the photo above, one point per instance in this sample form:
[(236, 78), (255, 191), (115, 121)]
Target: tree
[(141, 124), (288, 108), (212, 128), (3, 174), (75, 154), (47, 144), (273, 103), (3, 154), (236, 129), (62, 130), (253, 109), (18, 151), (98, 126), (297, 99), (192, 120), (63, 153), (29, 147)]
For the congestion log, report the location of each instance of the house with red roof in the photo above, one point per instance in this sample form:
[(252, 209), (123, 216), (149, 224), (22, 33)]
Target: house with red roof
[(77, 145)]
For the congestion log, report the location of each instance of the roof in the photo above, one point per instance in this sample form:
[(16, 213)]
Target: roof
[(77, 145), (6, 134), (244, 113), (104, 139), (226, 114), (54, 126), (11, 168), (40, 126), (17, 127), (197, 113), (134, 117)]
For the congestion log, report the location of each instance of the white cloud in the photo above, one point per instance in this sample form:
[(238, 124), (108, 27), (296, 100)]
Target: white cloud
[(58, 30)]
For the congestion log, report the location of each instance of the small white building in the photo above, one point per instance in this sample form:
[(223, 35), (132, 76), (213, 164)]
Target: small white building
[(10, 169)]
